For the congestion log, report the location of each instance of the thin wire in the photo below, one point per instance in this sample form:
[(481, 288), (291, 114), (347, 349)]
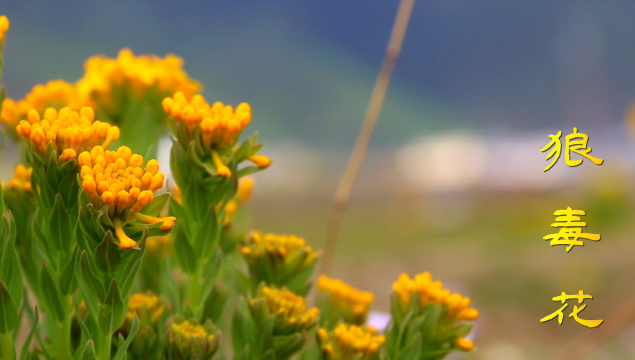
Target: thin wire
[(361, 145)]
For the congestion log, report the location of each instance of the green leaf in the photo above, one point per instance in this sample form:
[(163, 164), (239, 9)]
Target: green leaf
[(24, 354), (51, 296), (184, 252), (133, 267), (194, 197), (68, 283), (208, 234), (60, 226), (91, 287), (248, 170), (287, 345), (10, 270), (243, 331), (107, 256), (112, 311), (157, 205), (86, 334), (89, 351), (266, 333), (8, 311), (210, 271), (123, 349)]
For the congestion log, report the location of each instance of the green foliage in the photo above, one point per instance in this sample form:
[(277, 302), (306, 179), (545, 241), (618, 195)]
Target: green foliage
[(421, 332)]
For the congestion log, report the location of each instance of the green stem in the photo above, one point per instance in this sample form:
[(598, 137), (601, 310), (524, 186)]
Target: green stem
[(104, 347), (193, 293), (7, 351), (64, 340)]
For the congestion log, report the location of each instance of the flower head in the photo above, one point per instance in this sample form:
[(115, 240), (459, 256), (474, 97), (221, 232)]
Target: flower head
[(220, 124), (146, 306), (117, 179), (290, 310), (458, 307), (56, 94), (21, 179), (350, 341), (141, 73), (4, 26), (216, 127), (342, 301), (190, 340), (280, 260), (69, 132)]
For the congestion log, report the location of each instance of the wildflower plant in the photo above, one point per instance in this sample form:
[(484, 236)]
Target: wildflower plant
[(55, 94), (349, 341), (124, 270), (274, 324), (117, 201), (428, 321), (187, 339), (204, 161), (280, 260), (127, 91), (340, 302)]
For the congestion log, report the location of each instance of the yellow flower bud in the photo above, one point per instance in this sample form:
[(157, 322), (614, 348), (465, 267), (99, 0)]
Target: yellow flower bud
[(66, 131), (4, 26), (260, 160), (464, 344)]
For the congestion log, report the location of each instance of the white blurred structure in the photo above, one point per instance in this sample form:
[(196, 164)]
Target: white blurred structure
[(449, 163), (446, 163)]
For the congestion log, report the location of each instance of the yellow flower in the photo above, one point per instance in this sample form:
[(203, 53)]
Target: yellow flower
[(260, 160), (276, 246), (21, 179), (145, 305), (188, 332), (219, 126), (245, 187), (348, 341), (68, 131), (158, 244), (56, 94), (280, 260), (458, 307), (290, 309), (464, 344), (117, 179), (141, 73), (4, 26), (343, 301)]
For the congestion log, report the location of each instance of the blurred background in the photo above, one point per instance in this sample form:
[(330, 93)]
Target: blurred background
[(453, 181)]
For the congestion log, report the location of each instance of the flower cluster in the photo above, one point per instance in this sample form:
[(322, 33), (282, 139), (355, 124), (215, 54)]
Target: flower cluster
[(56, 94), (68, 132), (21, 179), (4, 26), (141, 73), (458, 307), (280, 260), (186, 339), (422, 308), (118, 180), (340, 301), (145, 305), (216, 127), (350, 342), (290, 310)]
